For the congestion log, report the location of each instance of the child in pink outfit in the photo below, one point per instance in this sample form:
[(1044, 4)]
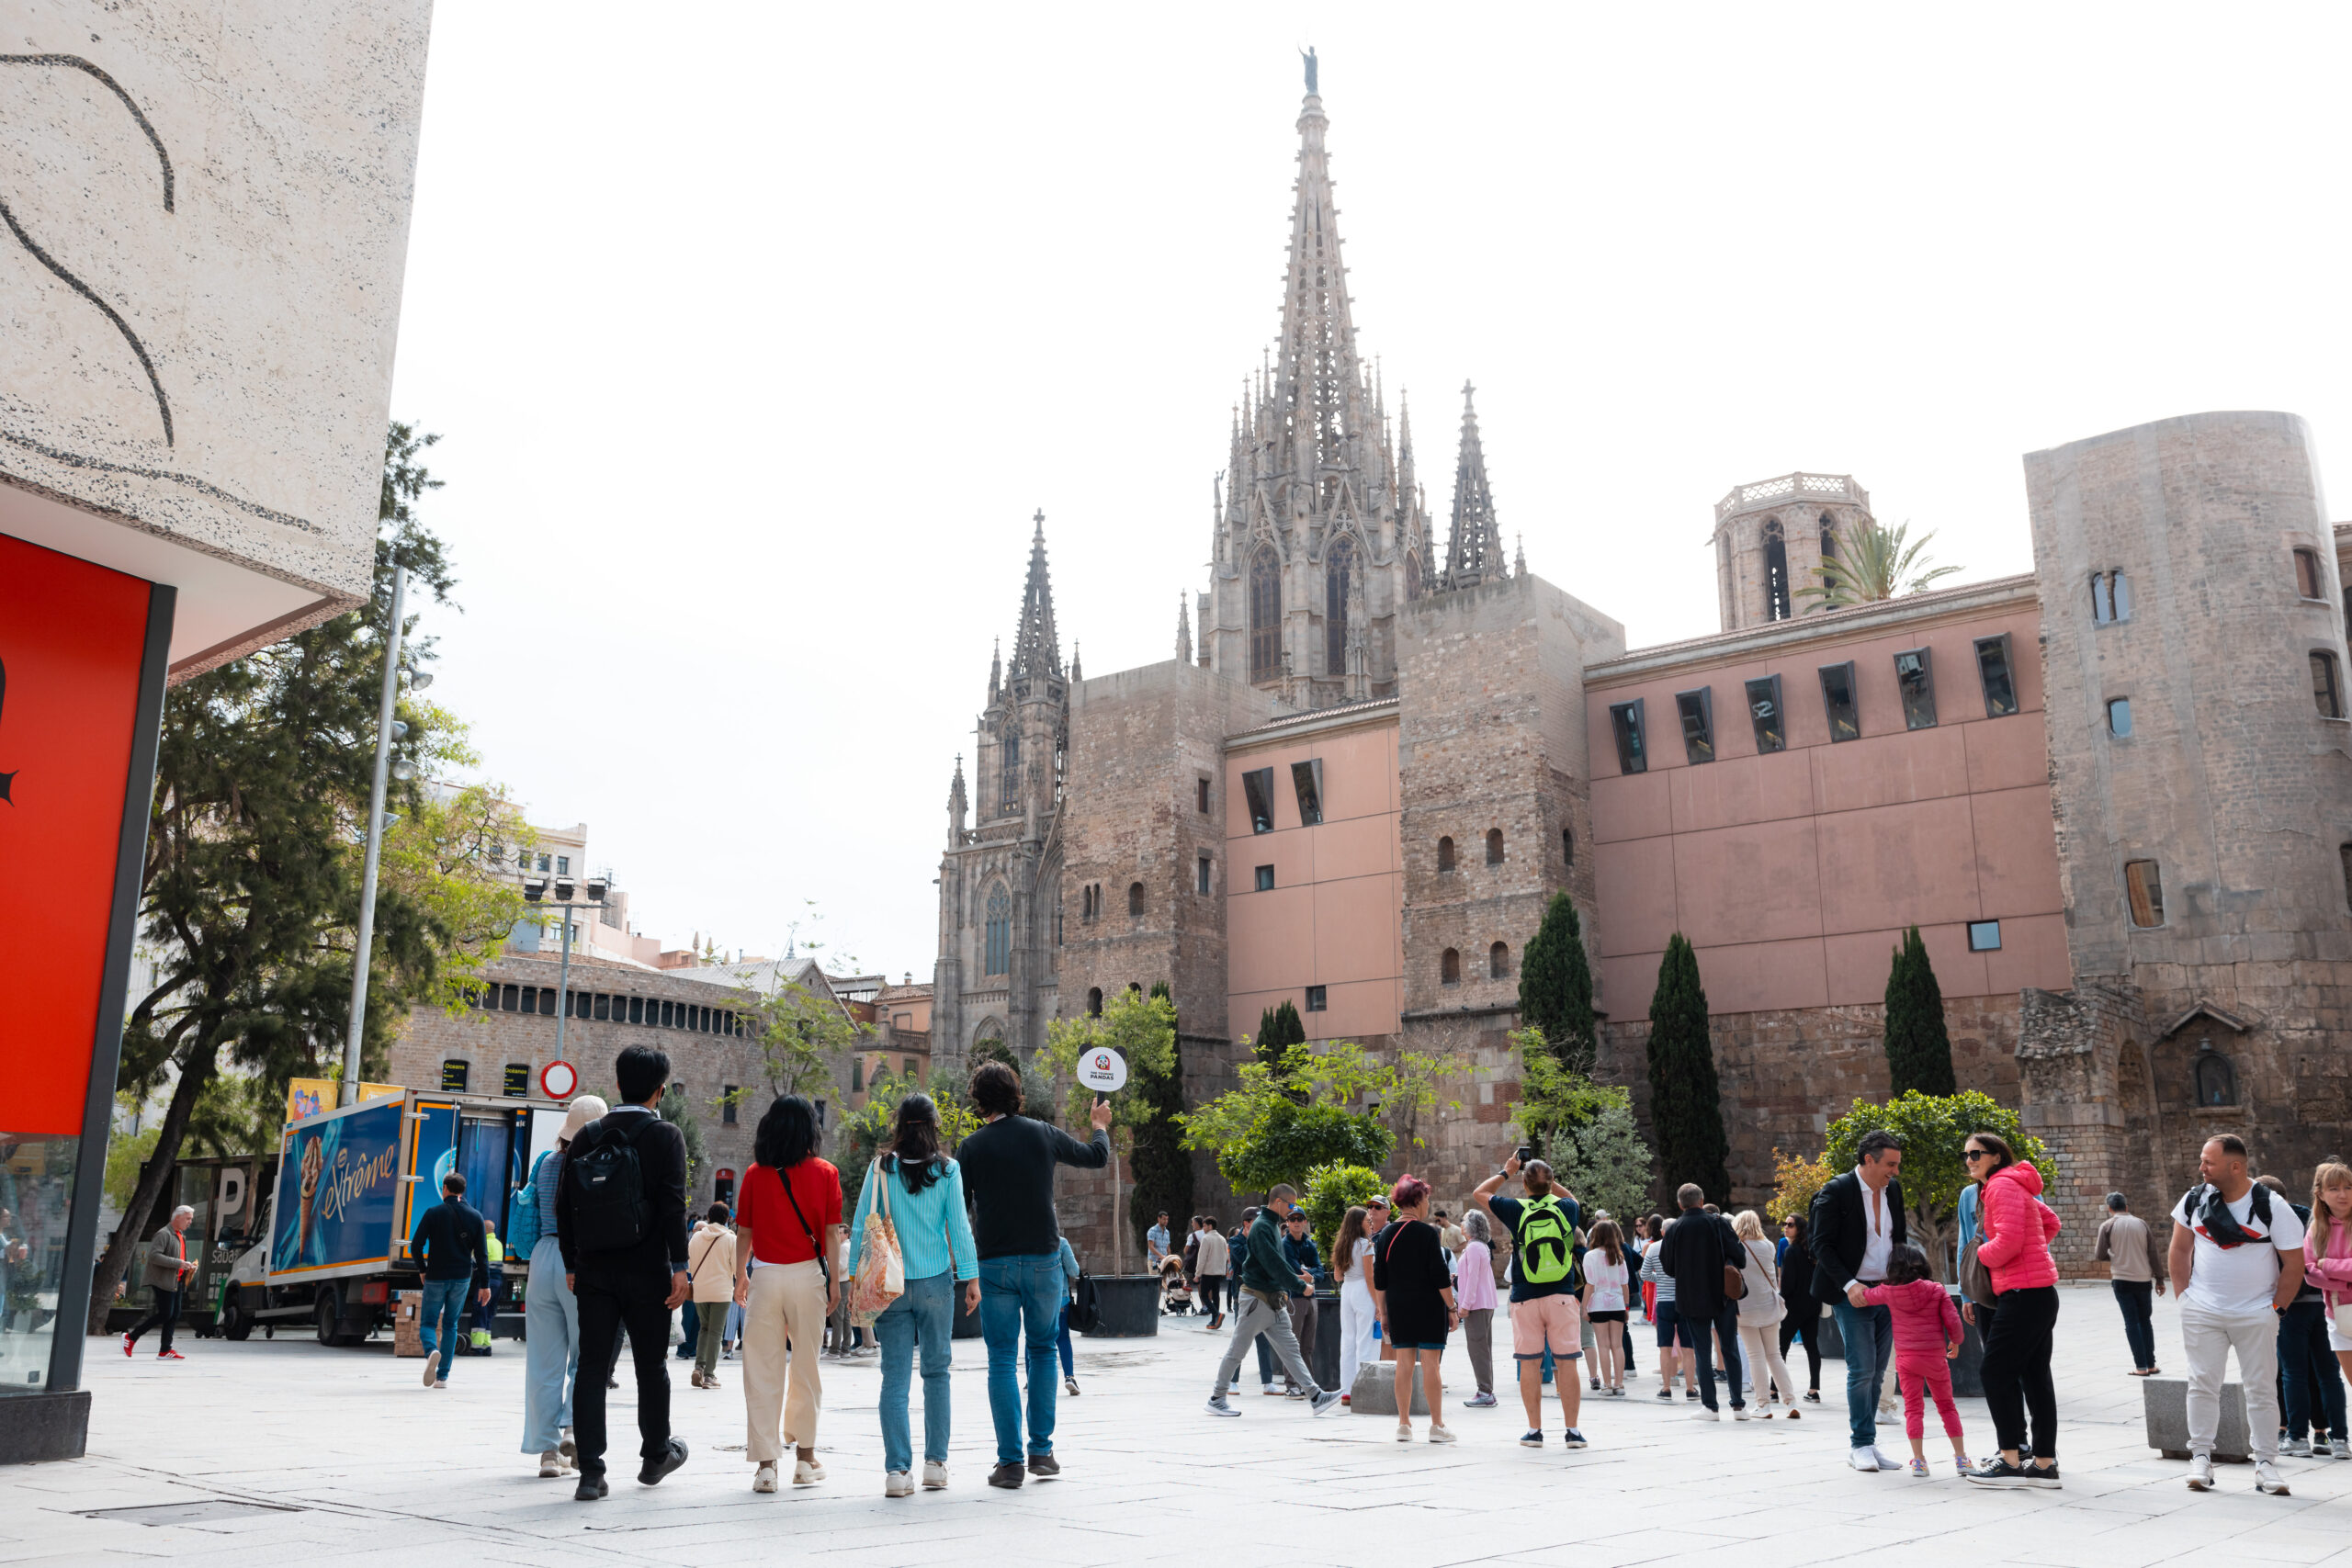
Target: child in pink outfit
[(1926, 1338)]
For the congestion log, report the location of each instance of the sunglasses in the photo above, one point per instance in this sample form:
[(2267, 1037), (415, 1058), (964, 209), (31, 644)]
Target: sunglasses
[(1976, 1154)]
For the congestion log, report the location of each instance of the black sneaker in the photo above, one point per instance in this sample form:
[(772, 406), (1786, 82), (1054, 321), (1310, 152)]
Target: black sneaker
[(1534, 1440), (672, 1458), (2045, 1476), (1813, 1396), (592, 1488), (1692, 1395), (1008, 1476), (1575, 1440), (1999, 1472), (1045, 1464)]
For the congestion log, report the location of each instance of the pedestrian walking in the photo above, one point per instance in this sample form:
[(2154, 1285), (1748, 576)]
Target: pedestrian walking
[(1210, 1252), (924, 1192), (2017, 1229), (1236, 1250), (711, 1272), (1699, 1248), (621, 1218), (2236, 1258), (1359, 1315), (1854, 1224), (1607, 1281), (1759, 1319), (2136, 1270), (1928, 1333), (1673, 1340), (550, 1312), (449, 1241), (1416, 1305), (1009, 1170), (1269, 1280), (788, 1273), (1300, 1253), (1801, 1313), (165, 1270), (1546, 1313), (1474, 1291), (1070, 1272)]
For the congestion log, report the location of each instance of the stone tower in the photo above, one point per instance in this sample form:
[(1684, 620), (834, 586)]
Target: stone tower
[(1771, 537), (998, 898), (1319, 535)]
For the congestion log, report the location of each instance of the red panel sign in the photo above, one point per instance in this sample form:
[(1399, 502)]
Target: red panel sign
[(70, 638)]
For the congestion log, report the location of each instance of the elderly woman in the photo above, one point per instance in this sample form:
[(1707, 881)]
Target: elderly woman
[(1474, 1274), (551, 1313)]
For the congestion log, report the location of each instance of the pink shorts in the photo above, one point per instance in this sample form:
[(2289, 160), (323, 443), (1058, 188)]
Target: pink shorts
[(1556, 1321)]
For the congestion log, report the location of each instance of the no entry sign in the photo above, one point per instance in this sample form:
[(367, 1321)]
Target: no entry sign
[(558, 1079)]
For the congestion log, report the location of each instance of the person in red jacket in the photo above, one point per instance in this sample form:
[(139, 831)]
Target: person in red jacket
[(1927, 1335), (2016, 1250)]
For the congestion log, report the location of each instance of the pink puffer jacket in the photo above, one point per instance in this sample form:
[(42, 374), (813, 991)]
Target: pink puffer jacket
[(2327, 1259), (2016, 1247)]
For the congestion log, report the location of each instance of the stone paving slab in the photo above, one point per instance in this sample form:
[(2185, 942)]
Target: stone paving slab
[(385, 1472)]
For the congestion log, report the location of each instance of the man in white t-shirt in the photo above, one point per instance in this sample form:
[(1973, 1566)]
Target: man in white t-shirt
[(2236, 1267)]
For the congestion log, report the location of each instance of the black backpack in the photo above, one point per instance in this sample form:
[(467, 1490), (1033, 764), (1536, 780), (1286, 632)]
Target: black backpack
[(2203, 1202), (609, 1213)]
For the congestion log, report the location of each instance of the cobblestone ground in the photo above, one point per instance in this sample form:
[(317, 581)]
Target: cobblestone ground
[(369, 1468)]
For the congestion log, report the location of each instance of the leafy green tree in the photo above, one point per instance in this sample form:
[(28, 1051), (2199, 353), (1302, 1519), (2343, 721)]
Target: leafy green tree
[(1919, 1046), (249, 887), (1142, 1030), (1794, 1181), (1551, 1098), (1556, 988), (799, 1033), (1162, 1165), (1288, 1116), (1331, 1191), (1933, 1129), (1686, 1101), (1605, 1161), (678, 1112), (1874, 563), (1279, 1029)]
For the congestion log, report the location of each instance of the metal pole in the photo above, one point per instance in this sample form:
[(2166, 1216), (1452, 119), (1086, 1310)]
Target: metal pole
[(347, 1093), (563, 984)]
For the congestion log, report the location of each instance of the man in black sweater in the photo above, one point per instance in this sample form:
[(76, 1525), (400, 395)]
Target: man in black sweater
[(1009, 1175), (449, 1239), (1697, 1245), (638, 1284)]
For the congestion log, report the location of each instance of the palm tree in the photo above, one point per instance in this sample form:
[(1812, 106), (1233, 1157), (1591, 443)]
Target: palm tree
[(1872, 563)]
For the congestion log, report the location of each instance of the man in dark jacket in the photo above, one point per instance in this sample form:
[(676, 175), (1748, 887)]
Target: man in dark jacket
[(639, 1284), (449, 1241), (1299, 1252), (1269, 1280), (1697, 1245), (1856, 1222)]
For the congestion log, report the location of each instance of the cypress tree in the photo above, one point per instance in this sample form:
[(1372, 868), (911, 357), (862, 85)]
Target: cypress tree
[(1279, 1027), (1555, 986), (1686, 1101), (1918, 1047), (1163, 1167)]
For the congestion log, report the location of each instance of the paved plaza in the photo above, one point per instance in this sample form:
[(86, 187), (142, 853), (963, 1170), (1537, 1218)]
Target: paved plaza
[(369, 1468)]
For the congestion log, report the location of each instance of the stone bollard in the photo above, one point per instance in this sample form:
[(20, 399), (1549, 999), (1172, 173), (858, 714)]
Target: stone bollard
[(1376, 1391), (2164, 1401)]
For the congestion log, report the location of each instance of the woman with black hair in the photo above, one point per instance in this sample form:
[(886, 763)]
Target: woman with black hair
[(787, 1279), (916, 1188), (1802, 1317)]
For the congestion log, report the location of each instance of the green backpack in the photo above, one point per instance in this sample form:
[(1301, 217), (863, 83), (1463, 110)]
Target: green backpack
[(1546, 1243)]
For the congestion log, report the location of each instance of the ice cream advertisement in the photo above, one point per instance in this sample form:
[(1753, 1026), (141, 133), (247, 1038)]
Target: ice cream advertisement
[(338, 1190)]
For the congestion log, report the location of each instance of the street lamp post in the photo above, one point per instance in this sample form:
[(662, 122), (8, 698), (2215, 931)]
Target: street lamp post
[(387, 730)]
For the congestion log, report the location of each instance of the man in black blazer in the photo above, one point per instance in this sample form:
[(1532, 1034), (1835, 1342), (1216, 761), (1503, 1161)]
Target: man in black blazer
[(1856, 1221), (1697, 1245)]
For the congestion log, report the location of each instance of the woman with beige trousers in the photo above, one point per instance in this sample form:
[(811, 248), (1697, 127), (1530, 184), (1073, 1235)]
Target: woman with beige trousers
[(1759, 1319), (788, 1279), (710, 1271)]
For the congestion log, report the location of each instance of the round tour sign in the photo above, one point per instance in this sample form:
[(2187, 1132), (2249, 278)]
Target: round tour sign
[(558, 1079), (1102, 1069)]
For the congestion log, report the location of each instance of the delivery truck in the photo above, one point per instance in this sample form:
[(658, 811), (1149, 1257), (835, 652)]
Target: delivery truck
[(332, 1250)]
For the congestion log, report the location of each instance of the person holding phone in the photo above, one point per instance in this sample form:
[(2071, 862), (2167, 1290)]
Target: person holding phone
[(1545, 1284)]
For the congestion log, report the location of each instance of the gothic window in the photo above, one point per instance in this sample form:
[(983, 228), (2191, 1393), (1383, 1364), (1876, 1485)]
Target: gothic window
[(1697, 711), (1494, 846), (1338, 566), (1993, 670), (1499, 963), (998, 957), (1094, 1001), (2110, 598), (1764, 714), (2216, 1081), (2326, 689), (2145, 891), (1445, 854), (1828, 538), (2307, 575), (1009, 750), (1914, 678), (1413, 575), (1135, 898), (1265, 616), (1449, 967), (1776, 573)]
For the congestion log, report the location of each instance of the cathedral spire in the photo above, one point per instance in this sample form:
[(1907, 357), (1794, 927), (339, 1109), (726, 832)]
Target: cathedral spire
[(1474, 554), (1036, 651), (958, 805), (1319, 379), (1183, 631)]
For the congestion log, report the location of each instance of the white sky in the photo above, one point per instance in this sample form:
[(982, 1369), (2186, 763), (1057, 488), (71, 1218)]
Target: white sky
[(755, 342)]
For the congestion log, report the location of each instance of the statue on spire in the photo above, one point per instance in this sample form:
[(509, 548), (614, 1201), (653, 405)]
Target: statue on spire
[(1309, 55)]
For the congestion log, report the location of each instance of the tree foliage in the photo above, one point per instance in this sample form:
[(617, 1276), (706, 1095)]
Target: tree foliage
[(800, 1033), (1163, 1167), (1933, 1129), (1874, 563), (1686, 1101), (1279, 1029), (1605, 1160), (1919, 1046), (864, 1131), (678, 1112), (1794, 1181), (1331, 1191), (1553, 1097), (1556, 988), (1142, 1030), (1314, 1106)]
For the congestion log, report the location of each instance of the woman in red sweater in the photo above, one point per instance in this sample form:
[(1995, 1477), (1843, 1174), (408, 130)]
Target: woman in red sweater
[(2016, 1250)]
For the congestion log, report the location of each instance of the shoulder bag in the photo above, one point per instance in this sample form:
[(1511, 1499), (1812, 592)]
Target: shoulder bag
[(1976, 1280), (522, 1228), (881, 1267), (1735, 1280)]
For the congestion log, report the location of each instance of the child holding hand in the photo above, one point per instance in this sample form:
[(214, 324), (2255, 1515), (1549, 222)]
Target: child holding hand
[(1926, 1339)]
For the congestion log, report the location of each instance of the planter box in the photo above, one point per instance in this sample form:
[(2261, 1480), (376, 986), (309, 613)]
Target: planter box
[(1127, 1306), (1376, 1391), (2165, 1405), (1323, 1360)]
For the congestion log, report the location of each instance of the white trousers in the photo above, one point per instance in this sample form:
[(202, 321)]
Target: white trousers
[(1759, 1352), (2209, 1337), (1356, 1344)]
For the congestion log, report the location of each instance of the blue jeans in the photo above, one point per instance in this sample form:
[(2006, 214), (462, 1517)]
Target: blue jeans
[(2136, 1297), (550, 1349), (925, 1315), (442, 1319), (1705, 1333), (1868, 1337), (1061, 1343), (1021, 1301)]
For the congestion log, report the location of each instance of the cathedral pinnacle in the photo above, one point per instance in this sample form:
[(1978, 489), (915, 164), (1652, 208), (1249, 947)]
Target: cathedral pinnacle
[(1036, 651), (1183, 630), (1474, 553)]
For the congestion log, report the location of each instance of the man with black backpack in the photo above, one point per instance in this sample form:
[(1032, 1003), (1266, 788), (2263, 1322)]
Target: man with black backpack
[(1545, 1309), (2236, 1263), (621, 1220)]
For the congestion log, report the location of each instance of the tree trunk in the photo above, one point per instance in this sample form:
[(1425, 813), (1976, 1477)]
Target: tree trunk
[(116, 1261)]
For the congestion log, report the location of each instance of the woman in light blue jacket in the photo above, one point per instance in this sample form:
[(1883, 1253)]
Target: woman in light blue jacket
[(920, 1191)]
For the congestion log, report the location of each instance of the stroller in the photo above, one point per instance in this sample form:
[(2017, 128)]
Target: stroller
[(1175, 1295)]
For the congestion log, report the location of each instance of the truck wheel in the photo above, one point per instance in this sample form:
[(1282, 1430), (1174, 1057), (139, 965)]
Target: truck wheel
[(326, 1311), (234, 1324)]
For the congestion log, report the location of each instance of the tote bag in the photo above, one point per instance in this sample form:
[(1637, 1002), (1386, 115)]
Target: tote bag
[(881, 1267)]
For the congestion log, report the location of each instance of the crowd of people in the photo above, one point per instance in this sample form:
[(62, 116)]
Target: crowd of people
[(2258, 1275)]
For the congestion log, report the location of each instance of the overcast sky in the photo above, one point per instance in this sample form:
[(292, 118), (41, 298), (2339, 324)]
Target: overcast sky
[(756, 339)]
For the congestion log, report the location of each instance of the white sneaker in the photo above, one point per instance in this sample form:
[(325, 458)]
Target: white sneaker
[(1739, 1412), (1445, 1434), (766, 1480), (2267, 1479), (550, 1465), (1703, 1414), (1864, 1460), (2296, 1447), (898, 1483), (2200, 1473), (806, 1472), (1885, 1460), (432, 1367), (1404, 1431), (935, 1475)]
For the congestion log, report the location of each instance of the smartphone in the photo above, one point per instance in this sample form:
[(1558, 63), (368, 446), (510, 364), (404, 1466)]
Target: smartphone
[(1524, 1153)]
